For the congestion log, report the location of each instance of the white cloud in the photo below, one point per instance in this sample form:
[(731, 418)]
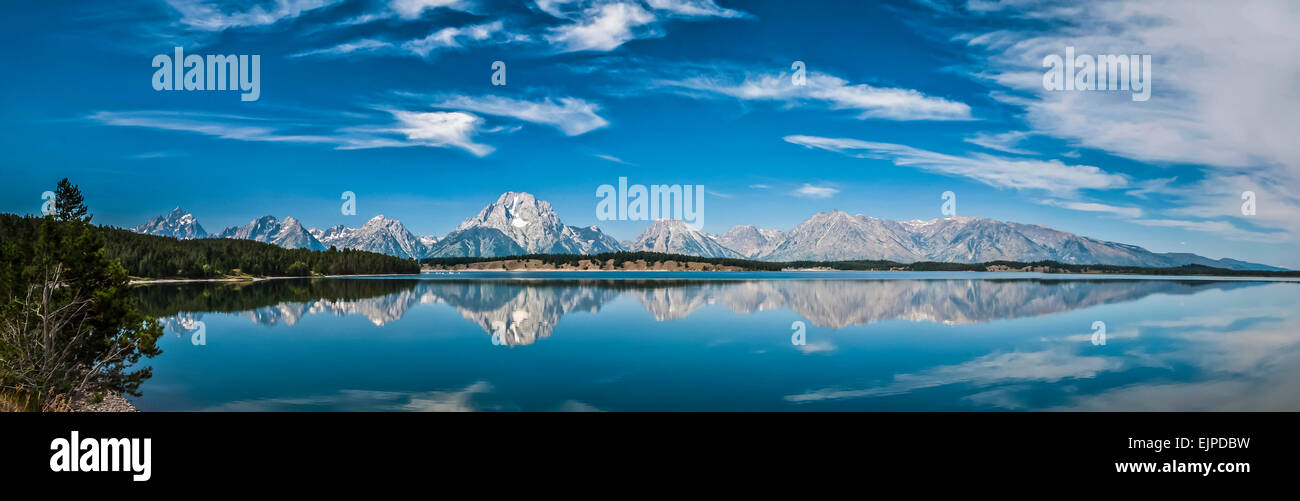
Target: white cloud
[(356, 46), (1131, 212), (610, 158), (411, 9), (557, 8), (1049, 175), (1005, 142), (442, 129), (694, 8), (603, 28), (1223, 94), (1221, 228), (832, 92), (812, 191), (200, 14), (222, 126), (992, 369), (604, 25), (570, 115), (453, 37), (817, 347)]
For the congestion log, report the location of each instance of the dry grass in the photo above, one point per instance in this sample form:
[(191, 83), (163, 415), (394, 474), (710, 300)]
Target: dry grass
[(22, 401)]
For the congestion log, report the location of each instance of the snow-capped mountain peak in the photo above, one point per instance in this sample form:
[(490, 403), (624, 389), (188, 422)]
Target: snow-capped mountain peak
[(289, 233), (518, 219), (176, 224), (379, 234)]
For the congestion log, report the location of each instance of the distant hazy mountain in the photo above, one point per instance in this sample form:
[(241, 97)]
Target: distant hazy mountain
[(594, 241), (836, 235), (175, 224), (379, 234), (751, 241), (676, 237), (289, 233), (522, 221)]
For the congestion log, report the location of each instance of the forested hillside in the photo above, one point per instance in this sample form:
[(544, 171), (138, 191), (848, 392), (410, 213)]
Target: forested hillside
[(150, 256)]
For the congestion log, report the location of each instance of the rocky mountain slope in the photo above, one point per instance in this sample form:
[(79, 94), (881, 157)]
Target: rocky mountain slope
[(676, 237), (379, 234)]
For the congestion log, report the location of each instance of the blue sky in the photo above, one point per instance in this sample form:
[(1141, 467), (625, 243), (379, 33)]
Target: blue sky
[(902, 101)]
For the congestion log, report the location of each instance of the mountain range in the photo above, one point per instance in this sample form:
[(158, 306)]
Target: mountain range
[(518, 223)]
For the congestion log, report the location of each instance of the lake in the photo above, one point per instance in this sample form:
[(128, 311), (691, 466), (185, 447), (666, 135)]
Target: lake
[(797, 341)]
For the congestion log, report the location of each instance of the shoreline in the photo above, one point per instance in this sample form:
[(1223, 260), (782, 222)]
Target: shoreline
[(112, 402)]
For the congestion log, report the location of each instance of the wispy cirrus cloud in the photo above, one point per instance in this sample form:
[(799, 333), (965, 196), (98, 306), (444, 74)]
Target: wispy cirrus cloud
[(433, 129), (406, 10), (820, 89), (1229, 113), (348, 48), (210, 16), (456, 37), (1005, 142), (571, 115), (989, 370), (452, 37), (234, 127), (1049, 175), (694, 8), (610, 158), (412, 9), (1130, 212)]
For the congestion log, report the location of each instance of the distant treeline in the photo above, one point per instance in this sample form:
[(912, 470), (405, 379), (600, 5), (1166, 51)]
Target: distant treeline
[(863, 265), (149, 256)]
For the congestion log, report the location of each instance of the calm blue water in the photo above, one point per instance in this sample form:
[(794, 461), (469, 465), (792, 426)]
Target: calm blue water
[(689, 341)]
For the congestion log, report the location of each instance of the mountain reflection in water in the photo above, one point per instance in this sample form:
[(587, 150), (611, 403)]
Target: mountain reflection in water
[(677, 344), (526, 311)]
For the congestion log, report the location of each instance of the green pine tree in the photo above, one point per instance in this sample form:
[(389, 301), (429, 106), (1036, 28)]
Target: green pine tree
[(68, 321)]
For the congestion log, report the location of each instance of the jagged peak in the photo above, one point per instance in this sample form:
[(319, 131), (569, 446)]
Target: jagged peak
[(511, 198)]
